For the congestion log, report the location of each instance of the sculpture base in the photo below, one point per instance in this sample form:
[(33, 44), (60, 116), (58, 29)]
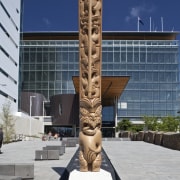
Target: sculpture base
[(106, 169), (102, 174)]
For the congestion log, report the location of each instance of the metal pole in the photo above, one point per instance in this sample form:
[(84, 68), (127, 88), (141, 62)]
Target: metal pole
[(43, 108), (116, 109), (162, 24), (138, 25), (30, 106)]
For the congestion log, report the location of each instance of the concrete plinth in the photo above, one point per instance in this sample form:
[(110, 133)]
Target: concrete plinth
[(102, 174), (107, 171)]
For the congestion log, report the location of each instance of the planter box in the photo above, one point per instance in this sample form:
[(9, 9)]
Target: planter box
[(171, 140), (158, 138), (140, 136)]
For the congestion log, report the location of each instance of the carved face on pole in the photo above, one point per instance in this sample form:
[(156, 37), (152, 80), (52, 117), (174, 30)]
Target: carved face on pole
[(90, 122)]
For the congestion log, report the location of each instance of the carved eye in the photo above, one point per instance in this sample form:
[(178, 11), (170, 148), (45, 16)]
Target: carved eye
[(86, 93)]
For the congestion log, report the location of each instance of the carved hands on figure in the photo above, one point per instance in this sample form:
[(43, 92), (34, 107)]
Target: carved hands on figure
[(90, 139), (90, 152)]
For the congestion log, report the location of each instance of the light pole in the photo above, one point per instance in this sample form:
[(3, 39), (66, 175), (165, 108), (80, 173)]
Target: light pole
[(30, 106), (44, 108)]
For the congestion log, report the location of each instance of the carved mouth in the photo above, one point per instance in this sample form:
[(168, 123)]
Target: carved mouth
[(89, 131)]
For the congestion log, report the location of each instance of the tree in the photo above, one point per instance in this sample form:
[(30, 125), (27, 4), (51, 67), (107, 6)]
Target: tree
[(124, 125), (151, 123), (137, 127), (7, 122), (169, 123)]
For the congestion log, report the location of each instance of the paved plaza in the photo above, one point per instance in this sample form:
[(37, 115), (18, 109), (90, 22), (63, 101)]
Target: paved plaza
[(133, 160)]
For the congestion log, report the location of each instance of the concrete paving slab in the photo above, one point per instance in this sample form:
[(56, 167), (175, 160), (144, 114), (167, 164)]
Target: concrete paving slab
[(133, 160), (24, 152), (138, 160)]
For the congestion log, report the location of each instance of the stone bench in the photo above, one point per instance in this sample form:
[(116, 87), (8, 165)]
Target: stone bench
[(73, 139), (41, 155), (61, 149), (47, 155), (69, 143), (3, 177), (54, 139), (23, 170), (53, 154)]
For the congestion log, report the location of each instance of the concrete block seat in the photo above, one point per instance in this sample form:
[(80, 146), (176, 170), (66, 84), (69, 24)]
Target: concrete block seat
[(7, 169), (24, 170), (3, 177), (53, 154), (17, 171), (61, 149), (69, 143), (47, 155), (41, 155), (73, 139)]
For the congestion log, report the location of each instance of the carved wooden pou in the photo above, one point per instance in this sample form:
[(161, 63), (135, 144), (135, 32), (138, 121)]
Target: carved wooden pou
[(90, 36)]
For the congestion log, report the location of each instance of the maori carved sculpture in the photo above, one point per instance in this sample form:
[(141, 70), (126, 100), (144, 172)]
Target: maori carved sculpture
[(90, 36)]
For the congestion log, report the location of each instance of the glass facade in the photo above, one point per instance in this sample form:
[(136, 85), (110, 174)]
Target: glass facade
[(47, 67)]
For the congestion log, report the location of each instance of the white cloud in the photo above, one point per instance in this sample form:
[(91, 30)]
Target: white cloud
[(46, 21), (139, 11), (135, 11)]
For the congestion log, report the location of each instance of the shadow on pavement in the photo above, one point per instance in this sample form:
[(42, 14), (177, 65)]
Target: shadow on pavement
[(59, 170)]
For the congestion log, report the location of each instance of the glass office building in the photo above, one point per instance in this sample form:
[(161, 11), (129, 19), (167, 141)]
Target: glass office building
[(150, 59)]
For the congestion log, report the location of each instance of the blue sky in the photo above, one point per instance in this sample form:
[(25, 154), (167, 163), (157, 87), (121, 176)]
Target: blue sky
[(118, 15)]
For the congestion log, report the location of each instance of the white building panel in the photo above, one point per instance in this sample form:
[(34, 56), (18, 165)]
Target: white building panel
[(8, 45), (10, 86), (8, 25), (8, 66), (9, 89), (12, 6), (10, 21)]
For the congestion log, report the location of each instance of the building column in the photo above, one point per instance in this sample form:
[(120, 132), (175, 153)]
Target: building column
[(115, 112)]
